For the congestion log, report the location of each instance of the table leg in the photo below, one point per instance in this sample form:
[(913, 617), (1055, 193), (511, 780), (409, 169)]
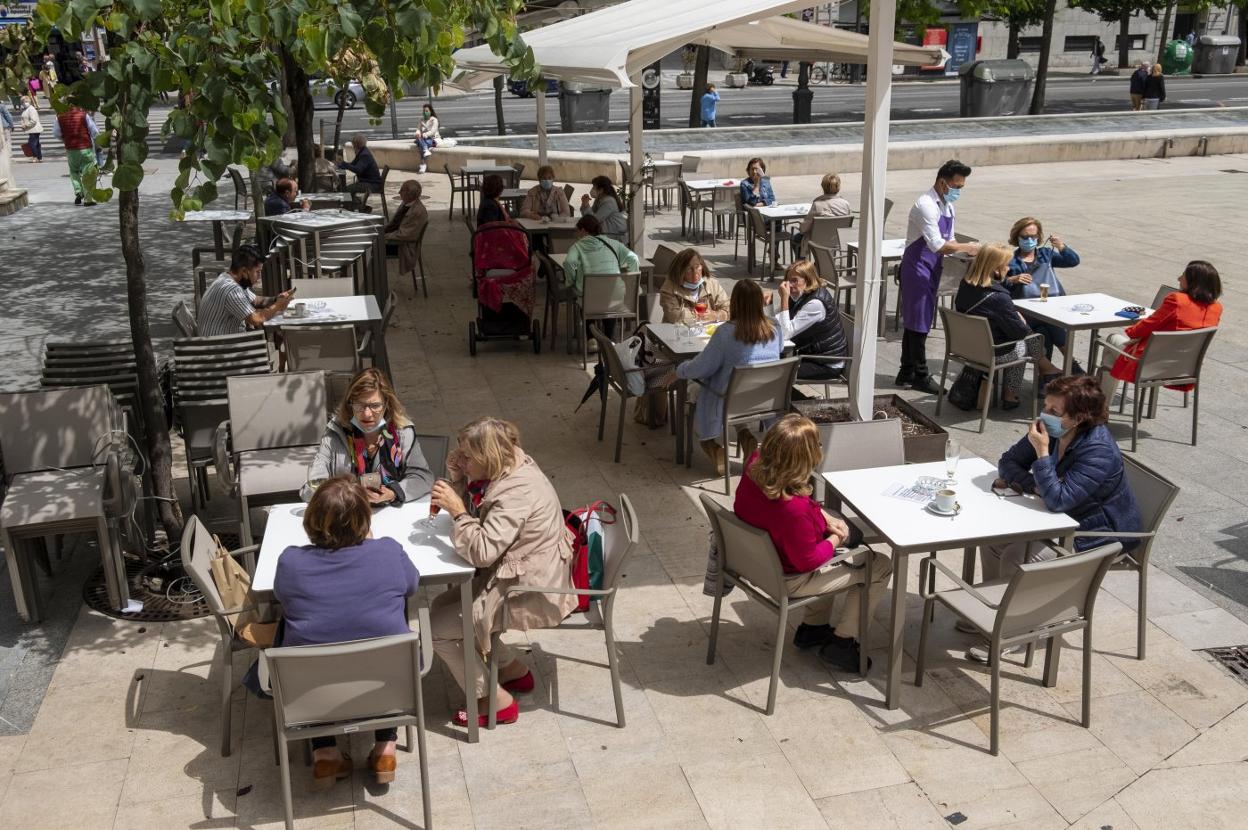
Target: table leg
[(897, 631), (470, 660), (968, 565), (1068, 353), (218, 239), (679, 415), (1091, 367)]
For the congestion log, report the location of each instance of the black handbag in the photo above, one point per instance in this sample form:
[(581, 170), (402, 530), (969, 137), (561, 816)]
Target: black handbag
[(964, 394)]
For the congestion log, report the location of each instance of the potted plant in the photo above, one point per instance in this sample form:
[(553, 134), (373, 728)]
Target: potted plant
[(687, 59), (737, 78), (923, 438)]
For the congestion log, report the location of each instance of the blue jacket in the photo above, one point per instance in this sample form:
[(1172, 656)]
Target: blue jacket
[(1089, 483), (708, 105), (1041, 270), (763, 197)]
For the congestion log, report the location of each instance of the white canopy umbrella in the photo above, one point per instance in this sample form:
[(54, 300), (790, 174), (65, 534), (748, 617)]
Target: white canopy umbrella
[(611, 47)]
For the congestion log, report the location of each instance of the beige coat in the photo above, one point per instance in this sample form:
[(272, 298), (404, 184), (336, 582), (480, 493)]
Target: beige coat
[(517, 537), (825, 205), (404, 231), (678, 306)]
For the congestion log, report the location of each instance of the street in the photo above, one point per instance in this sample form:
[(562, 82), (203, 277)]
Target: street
[(473, 114)]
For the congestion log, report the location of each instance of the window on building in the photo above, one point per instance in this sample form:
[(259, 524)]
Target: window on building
[(1133, 42), (1029, 44), (1079, 43)]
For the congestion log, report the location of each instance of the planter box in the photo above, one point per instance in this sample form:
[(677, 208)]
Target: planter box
[(924, 439), (736, 80), (684, 80)]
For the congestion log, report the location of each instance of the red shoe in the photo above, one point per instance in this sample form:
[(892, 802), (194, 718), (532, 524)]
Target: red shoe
[(508, 715), (521, 685)]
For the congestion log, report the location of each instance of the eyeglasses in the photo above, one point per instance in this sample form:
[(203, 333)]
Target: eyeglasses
[(374, 408)]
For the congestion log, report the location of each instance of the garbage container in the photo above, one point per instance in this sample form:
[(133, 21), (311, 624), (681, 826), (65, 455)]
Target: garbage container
[(1215, 55), (584, 110), (1177, 58), (997, 87)]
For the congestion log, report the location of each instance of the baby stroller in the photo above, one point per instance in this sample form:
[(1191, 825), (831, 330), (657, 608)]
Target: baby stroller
[(504, 284)]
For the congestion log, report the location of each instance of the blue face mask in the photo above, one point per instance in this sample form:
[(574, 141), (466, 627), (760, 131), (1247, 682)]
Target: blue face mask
[(1052, 425), (381, 422), (691, 286), (547, 184), (954, 194), (1028, 243)]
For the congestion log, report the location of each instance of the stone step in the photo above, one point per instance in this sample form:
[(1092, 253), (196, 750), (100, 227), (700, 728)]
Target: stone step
[(11, 201)]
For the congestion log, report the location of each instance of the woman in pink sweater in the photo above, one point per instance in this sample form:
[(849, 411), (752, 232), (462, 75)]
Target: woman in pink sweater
[(774, 495)]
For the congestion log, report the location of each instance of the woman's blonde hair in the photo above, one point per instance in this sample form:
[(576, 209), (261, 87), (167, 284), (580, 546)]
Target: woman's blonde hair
[(787, 458), (831, 184), (987, 263), (366, 383), (1017, 230), (805, 269), (745, 309), (1156, 69), (492, 443)]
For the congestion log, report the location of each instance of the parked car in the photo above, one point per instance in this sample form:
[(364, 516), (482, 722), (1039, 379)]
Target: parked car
[(521, 88), (326, 94)]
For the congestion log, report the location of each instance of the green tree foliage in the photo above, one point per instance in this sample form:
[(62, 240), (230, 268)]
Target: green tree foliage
[(1121, 12)]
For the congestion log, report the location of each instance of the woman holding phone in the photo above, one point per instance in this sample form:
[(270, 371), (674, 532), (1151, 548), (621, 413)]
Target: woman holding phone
[(371, 437), (1035, 257)]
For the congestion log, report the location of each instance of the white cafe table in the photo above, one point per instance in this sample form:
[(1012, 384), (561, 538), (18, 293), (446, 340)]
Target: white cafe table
[(774, 216), (908, 528), (430, 551), (710, 184), (218, 218), (891, 250), (1078, 312), (302, 224), (357, 310), (561, 224)]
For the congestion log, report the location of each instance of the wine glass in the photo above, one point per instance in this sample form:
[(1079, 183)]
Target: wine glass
[(312, 483), (953, 452), (700, 308), (430, 521)]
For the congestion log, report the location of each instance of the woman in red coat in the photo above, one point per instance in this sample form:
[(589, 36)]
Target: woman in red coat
[(1194, 306)]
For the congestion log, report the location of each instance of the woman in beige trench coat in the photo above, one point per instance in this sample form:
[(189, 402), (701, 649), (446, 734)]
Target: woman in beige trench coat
[(508, 524)]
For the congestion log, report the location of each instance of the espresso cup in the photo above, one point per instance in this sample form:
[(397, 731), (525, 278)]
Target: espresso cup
[(301, 309), (946, 500)]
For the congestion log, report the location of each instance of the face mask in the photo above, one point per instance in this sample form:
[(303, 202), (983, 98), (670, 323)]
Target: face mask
[(691, 286), (1052, 425), (954, 194), (547, 184), (1028, 243), (355, 422)]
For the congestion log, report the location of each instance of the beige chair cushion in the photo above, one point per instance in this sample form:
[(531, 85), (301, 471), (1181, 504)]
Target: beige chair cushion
[(53, 496), (971, 609), (265, 472)]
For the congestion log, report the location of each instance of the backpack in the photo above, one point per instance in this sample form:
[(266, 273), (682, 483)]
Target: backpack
[(588, 565)]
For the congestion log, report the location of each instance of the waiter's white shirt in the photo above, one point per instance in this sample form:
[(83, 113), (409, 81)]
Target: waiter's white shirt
[(925, 220)]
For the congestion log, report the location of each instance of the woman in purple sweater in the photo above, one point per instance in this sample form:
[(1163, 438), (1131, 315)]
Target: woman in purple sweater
[(774, 495), (344, 586)]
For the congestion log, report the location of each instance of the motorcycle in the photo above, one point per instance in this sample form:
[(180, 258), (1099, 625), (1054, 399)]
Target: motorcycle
[(760, 74)]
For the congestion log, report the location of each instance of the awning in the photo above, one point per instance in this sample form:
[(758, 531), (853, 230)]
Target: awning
[(611, 46)]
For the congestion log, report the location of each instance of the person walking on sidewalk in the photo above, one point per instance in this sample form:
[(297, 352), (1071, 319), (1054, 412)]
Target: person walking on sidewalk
[(1138, 78), (78, 131), (29, 121), (709, 100), (1154, 88), (929, 238), (1098, 55)]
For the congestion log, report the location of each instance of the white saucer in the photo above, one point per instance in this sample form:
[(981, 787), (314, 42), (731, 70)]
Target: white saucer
[(932, 508)]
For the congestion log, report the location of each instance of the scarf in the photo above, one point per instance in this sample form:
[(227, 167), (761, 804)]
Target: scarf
[(476, 491), (390, 451)]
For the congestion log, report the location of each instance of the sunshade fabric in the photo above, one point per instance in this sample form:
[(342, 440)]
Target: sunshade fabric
[(611, 46)]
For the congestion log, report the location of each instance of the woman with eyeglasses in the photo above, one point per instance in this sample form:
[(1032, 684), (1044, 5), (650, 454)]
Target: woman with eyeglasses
[(371, 433), (1035, 257)]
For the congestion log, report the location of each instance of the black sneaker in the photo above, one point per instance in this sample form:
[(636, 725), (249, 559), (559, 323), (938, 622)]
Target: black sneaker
[(926, 384), (904, 379), (809, 636), (1076, 369), (77, 200), (842, 654)]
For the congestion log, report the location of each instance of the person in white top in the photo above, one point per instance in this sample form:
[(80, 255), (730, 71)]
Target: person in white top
[(28, 120), (929, 237), (427, 134), (809, 317)]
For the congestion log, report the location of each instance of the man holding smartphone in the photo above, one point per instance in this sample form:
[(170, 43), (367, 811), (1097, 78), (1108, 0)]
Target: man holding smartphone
[(229, 306)]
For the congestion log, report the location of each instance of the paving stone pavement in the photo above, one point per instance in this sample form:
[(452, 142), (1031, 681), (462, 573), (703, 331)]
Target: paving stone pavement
[(127, 733)]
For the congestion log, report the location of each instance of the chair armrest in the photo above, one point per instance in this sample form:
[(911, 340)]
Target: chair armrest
[(823, 358), (1105, 344), (847, 555), (925, 566), (534, 589), (1111, 534), (244, 551), (221, 454), (366, 343)]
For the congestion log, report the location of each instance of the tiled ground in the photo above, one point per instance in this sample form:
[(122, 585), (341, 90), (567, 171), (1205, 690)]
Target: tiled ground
[(128, 736)]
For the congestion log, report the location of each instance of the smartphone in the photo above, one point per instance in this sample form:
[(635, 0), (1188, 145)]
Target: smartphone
[(1006, 492), (372, 481)]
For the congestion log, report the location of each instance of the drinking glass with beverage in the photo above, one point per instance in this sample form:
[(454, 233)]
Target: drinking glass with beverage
[(1044, 292), (953, 453), (700, 308), (429, 522)]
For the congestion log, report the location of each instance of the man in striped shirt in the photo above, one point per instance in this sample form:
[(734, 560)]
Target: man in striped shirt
[(230, 306)]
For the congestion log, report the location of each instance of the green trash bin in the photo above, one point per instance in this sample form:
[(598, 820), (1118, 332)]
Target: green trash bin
[(1177, 59)]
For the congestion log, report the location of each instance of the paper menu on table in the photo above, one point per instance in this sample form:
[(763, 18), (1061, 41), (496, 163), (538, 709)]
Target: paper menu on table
[(921, 491)]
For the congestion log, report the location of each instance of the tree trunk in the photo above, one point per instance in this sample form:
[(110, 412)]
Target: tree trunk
[(701, 67), (1243, 35), (301, 115), (1164, 34), (1124, 40), (151, 405), (498, 103), (342, 107), (1042, 66), (1011, 45)]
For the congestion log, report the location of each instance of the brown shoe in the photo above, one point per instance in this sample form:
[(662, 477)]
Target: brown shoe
[(325, 773), (716, 453), (747, 442), (383, 767)]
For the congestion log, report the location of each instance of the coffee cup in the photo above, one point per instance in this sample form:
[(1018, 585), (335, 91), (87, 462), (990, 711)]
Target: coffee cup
[(946, 501), (300, 310)]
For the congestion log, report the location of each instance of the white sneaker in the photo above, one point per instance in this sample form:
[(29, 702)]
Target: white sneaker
[(428, 153), (420, 169)]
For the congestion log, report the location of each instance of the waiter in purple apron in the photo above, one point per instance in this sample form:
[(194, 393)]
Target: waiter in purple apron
[(928, 238)]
